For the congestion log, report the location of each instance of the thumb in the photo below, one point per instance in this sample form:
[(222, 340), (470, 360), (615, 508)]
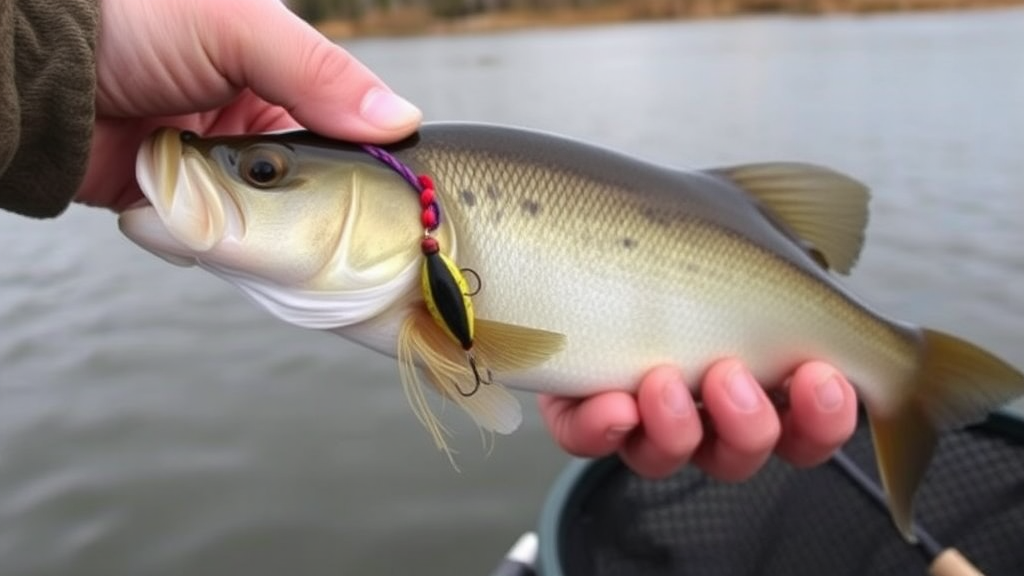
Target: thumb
[(264, 46)]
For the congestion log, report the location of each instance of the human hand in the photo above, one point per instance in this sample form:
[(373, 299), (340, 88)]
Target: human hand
[(221, 67), (661, 429)]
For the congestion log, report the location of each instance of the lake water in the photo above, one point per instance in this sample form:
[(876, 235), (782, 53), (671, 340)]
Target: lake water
[(153, 422)]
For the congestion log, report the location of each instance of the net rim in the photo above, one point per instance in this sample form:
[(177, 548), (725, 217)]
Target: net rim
[(581, 476)]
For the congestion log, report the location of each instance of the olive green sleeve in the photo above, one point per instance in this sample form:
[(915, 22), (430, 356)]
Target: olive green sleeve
[(47, 101)]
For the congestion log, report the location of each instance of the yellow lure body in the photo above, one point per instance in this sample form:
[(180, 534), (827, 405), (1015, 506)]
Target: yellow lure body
[(446, 294)]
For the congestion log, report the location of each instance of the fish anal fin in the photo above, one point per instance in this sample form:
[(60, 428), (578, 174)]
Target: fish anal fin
[(956, 383), (825, 210), (507, 347)]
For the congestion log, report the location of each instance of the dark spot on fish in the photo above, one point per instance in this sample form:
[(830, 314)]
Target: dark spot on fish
[(492, 192), (629, 243), (498, 216), (691, 268), (468, 198), (656, 217), (531, 207)]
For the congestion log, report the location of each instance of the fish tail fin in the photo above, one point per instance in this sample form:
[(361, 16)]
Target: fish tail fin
[(956, 383)]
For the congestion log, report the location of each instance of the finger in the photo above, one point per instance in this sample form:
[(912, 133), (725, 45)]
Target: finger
[(744, 422), (822, 415), (591, 427), (247, 113), (285, 61), (671, 428)]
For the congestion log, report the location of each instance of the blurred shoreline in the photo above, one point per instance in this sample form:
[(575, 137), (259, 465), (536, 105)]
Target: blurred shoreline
[(421, 19)]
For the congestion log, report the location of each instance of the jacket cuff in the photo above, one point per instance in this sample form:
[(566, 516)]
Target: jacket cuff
[(47, 102)]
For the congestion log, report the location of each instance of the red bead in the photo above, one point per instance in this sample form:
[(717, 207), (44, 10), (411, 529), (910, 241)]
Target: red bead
[(427, 197), (425, 181), (429, 219), (429, 245)]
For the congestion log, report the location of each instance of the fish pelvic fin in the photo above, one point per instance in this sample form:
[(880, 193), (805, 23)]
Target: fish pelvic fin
[(424, 349), (826, 211), (956, 383)]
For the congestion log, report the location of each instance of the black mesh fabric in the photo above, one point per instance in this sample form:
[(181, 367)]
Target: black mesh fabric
[(798, 522)]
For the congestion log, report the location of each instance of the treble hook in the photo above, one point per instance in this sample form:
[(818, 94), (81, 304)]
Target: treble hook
[(477, 379)]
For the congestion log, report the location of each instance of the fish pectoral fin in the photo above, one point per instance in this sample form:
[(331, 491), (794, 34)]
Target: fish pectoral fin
[(423, 345), (956, 383), (507, 347), (825, 210)]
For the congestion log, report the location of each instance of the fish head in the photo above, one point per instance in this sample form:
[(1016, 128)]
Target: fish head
[(317, 231)]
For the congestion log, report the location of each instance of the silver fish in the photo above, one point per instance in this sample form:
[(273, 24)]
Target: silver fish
[(592, 267)]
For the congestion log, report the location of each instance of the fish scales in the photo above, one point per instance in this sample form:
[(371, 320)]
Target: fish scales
[(622, 258)]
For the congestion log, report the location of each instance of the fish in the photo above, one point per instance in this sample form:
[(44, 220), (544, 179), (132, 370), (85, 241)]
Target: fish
[(558, 266)]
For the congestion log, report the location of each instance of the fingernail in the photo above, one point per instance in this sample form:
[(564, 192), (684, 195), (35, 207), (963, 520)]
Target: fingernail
[(743, 390), (675, 399), (387, 110), (616, 433), (829, 393)]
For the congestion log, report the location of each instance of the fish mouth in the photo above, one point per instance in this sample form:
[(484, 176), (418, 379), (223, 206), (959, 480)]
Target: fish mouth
[(185, 211)]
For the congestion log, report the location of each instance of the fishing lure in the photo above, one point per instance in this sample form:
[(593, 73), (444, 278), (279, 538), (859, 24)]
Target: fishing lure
[(445, 289)]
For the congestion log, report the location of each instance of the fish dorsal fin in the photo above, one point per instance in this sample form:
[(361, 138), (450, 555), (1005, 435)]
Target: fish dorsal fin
[(422, 344), (826, 210)]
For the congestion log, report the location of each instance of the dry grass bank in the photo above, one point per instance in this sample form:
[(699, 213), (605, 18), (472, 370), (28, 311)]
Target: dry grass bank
[(415, 20)]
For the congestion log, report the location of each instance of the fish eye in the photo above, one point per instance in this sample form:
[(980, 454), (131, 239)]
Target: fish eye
[(263, 167)]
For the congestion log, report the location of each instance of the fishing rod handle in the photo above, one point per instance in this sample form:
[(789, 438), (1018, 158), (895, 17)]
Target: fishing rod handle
[(952, 563)]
